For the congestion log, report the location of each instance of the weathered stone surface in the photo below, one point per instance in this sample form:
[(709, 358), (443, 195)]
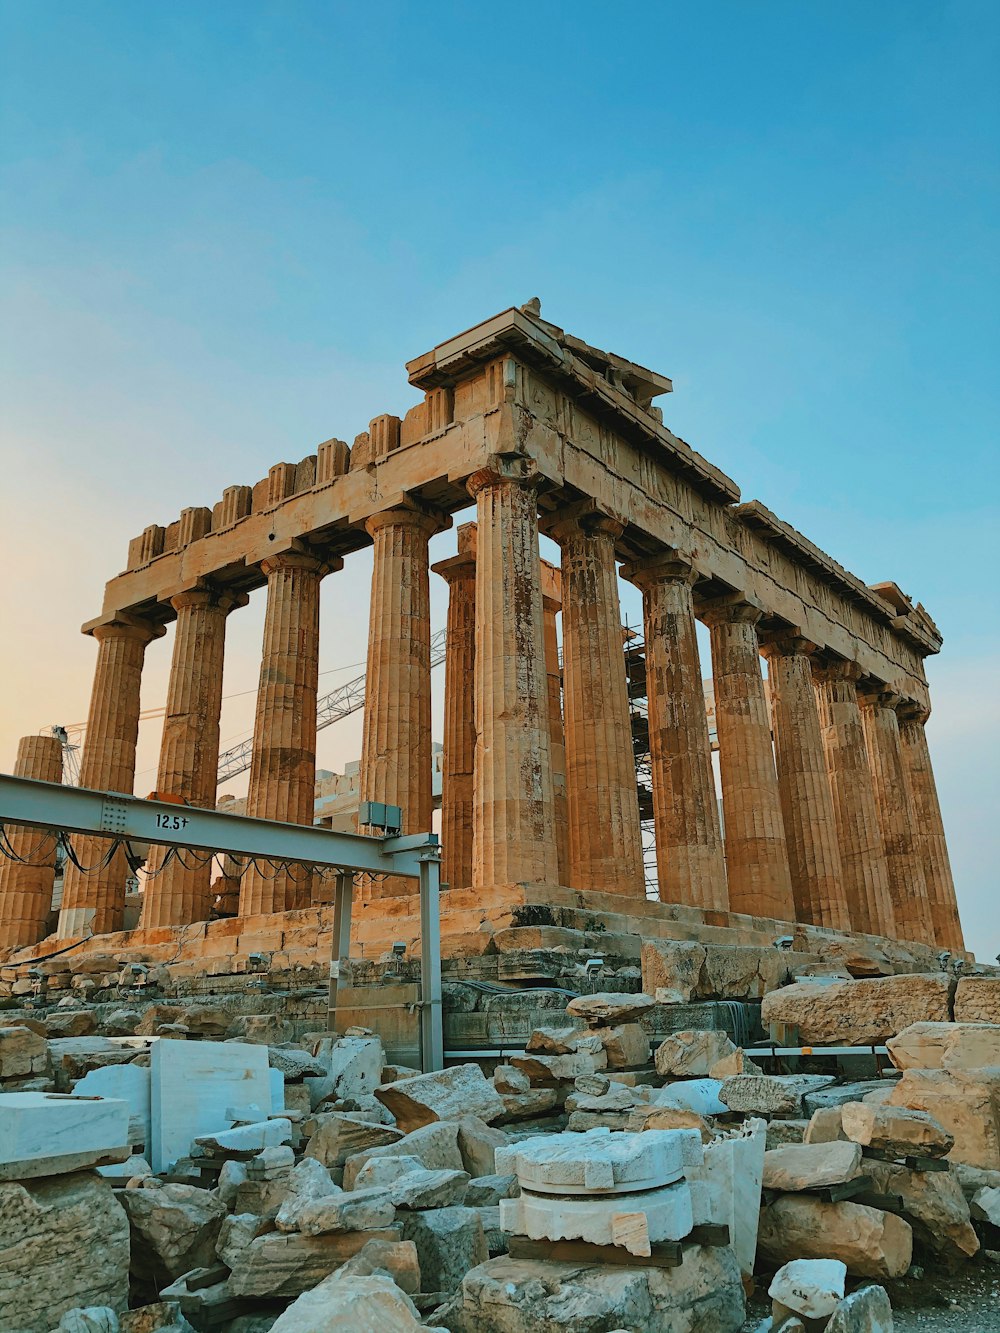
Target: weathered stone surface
[(866, 1310), (625, 1045), (739, 972), (42, 1135), (810, 1287), (174, 1228), (842, 1093), (487, 1191), (667, 1117), (261, 1029), (977, 1000), (72, 1023), (965, 1103), (770, 1094), (871, 1243), (526, 1105), (341, 1134), (703, 1295), (429, 1189), (507, 1079), (985, 1205), (607, 1008), (351, 1304), (556, 1068), (694, 1094), (946, 1046), (22, 1053), (435, 1147), (782, 1132), (859, 1013), (692, 1054), (236, 1233), (633, 1221), (271, 1164), (308, 1182), (933, 1201), (478, 1142), (563, 1041), (354, 1071), (736, 1062), (245, 1141), (672, 967), (598, 1161), (261, 1197), (353, 1210), (449, 1241), (825, 1126), (443, 1095), (805, 1166), (94, 1319), (64, 1243), (398, 1258), (287, 1265), (295, 1064), (896, 1130)]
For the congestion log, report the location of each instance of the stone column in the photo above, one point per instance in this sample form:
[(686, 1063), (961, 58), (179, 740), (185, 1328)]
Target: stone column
[(283, 763), (806, 799), (458, 764), (396, 748), (931, 841), (862, 855), (177, 891), (513, 808), (605, 843), (756, 853), (896, 816), (557, 741), (94, 903), (26, 889), (690, 866)]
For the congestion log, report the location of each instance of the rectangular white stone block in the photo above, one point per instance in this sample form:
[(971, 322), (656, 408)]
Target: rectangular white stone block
[(46, 1134), (193, 1084)]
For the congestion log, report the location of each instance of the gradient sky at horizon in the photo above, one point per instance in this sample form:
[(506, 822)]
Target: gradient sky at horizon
[(226, 227)]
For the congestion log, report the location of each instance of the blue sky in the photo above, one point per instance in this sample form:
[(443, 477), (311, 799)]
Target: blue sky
[(226, 227)]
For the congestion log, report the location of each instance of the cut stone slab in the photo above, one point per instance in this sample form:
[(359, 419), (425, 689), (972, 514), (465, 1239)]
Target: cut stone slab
[(528, 1105), (351, 1304), (626, 1045), (977, 1000), (261, 1197), (673, 967), (825, 1126), (507, 1079), (563, 1040), (174, 1229), (842, 1093), (445, 1094), (355, 1070), (487, 1191), (725, 1187), (398, 1258), (634, 1221), (277, 1265), (607, 1008), (946, 1046), (965, 1103), (449, 1241), (871, 1243), (771, 1094), (124, 1083), (642, 1118), (559, 1068), (435, 1147), (859, 1013), (478, 1142), (429, 1189), (596, 1162), (23, 1052), (43, 1134), (64, 1243), (307, 1183), (810, 1287), (703, 1295), (354, 1210), (895, 1130), (244, 1142), (295, 1064), (692, 1054), (192, 1086), (693, 1094), (810, 1166), (341, 1134), (271, 1164), (933, 1202), (385, 1171), (236, 1233), (864, 1311)]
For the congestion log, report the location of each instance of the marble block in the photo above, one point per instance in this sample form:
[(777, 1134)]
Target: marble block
[(42, 1134), (597, 1161), (193, 1084), (726, 1187), (692, 1094), (125, 1083), (634, 1221)]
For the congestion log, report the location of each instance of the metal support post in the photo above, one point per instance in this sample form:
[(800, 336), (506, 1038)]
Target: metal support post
[(431, 1025), (340, 943)]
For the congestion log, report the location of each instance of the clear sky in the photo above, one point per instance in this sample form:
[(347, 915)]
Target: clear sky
[(225, 227)]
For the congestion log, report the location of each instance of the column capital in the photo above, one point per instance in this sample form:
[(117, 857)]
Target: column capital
[(584, 519), (125, 626), (825, 672), (786, 643), (408, 514), (876, 695), (731, 609), (911, 710), (505, 469), (667, 567), (282, 561), (226, 599), (456, 567)]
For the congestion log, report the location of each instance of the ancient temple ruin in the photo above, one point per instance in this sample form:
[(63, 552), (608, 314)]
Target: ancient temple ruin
[(832, 824)]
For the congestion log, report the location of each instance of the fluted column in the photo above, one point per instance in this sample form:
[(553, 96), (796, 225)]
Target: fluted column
[(931, 841), (897, 819), (862, 855), (26, 889), (513, 808), (458, 765), (94, 903), (806, 799), (756, 852), (178, 890), (283, 762), (557, 737), (690, 866), (605, 843)]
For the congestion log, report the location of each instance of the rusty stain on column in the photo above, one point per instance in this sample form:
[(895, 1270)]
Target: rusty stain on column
[(605, 842), (283, 762), (897, 820), (806, 799), (862, 855), (931, 842), (458, 765), (557, 742), (690, 865), (26, 884), (94, 903), (178, 890), (513, 807), (756, 852), (396, 753)]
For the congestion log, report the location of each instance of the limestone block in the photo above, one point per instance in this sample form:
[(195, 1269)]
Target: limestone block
[(507, 1079), (236, 1233), (736, 1062), (866, 1310), (43, 1135), (965, 1103), (871, 1243), (307, 1182), (985, 1205), (646, 1117), (896, 1130), (449, 1241), (859, 1013), (273, 1163), (703, 1295), (443, 1095), (487, 1191), (231, 1177), (194, 1084), (126, 1083), (811, 1287), (782, 1132), (355, 1070), (244, 1141), (22, 1053), (842, 1093), (737, 972), (806, 1166), (673, 967), (625, 1045), (977, 1000), (607, 1008), (693, 1094), (340, 1304), (526, 1105), (64, 1243), (633, 1221), (478, 1142), (429, 1189), (435, 1147), (825, 1126), (398, 1258), (74, 1023), (261, 1197), (559, 1068), (770, 1094), (295, 1064), (933, 1202), (341, 1134), (173, 1228), (276, 1265), (597, 1162), (946, 1046), (563, 1040), (261, 1029), (353, 1210), (692, 1054)]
